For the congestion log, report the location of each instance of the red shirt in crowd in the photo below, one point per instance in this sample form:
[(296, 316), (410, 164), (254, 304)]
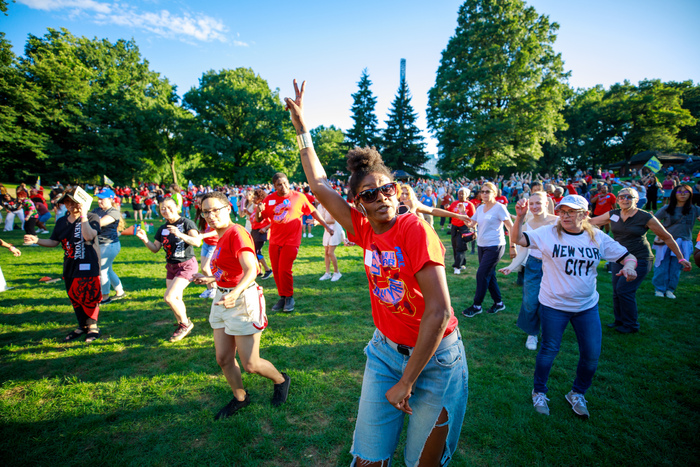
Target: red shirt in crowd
[(604, 203), (469, 209), (225, 263), (285, 217), (502, 199), (392, 260)]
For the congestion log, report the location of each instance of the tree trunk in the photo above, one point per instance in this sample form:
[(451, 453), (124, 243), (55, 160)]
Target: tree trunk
[(172, 169)]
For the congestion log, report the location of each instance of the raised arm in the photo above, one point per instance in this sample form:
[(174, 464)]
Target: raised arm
[(315, 173), (668, 239), (516, 231)]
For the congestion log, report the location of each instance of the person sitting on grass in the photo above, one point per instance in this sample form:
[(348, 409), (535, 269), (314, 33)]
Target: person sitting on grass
[(237, 313), (177, 237), (416, 353), (77, 232)]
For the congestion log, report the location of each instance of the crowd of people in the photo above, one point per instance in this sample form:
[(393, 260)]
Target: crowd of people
[(416, 364)]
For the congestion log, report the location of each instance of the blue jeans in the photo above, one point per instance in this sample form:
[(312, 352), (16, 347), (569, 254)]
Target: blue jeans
[(667, 275), (625, 294), (108, 252), (441, 384), (486, 274), (529, 317), (589, 334)]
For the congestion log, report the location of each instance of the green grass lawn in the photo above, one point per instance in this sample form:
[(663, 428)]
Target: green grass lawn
[(132, 398)]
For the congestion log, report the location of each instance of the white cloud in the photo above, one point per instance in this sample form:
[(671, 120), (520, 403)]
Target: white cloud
[(185, 27)]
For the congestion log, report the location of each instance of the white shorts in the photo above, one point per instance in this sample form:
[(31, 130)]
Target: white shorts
[(335, 239), (246, 318)]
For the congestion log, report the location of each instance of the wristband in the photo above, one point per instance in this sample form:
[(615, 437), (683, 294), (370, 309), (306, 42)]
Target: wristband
[(681, 260), (304, 141)]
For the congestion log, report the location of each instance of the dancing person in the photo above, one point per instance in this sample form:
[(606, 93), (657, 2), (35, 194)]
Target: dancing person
[(603, 201), (678, 218), (284, 209), (571, 251), (408, 202), (14, 209), (77, 233), (415, 362), (459, 231), (529, 316), (428, 200), (177, 237), (307, 221), (42, 209), (137, 205), (31, 215), (629, 226), (259, 232), (110, 246), (330, 243), (209, 241), (237, 313), (490, 217)]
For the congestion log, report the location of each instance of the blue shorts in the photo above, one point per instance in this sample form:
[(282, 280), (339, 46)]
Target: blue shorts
[(441, 384), (307, 219), (208, 250), (45, 217)]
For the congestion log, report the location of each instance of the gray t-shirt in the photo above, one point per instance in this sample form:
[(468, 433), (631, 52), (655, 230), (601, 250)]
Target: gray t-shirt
[(109, 232), (632, 233), (490, 225), (678, 225)]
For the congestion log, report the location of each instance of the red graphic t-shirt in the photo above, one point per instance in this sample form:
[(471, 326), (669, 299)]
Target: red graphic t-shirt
[(225, 264), (285, 217), (604, 203), (392, 260), (468, 208)]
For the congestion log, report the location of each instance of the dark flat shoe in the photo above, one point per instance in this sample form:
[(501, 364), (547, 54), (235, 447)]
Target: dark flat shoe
[(624, 330), (74, 335), (91, 336), (614, 324)]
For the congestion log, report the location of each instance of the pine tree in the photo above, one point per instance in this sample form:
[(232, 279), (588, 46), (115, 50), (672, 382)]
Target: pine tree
[(364, 132), (403, 146)]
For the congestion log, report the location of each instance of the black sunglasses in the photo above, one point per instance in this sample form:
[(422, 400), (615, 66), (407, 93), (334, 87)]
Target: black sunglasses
[(370, 196)]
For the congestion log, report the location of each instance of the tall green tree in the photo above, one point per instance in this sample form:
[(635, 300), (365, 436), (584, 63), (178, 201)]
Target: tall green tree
[(364, 131), (328, 143), (499, 89), (691, 102), (403, 147), (242, 129)]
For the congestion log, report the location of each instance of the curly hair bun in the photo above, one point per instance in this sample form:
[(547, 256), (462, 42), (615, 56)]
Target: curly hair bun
[(363, 161)]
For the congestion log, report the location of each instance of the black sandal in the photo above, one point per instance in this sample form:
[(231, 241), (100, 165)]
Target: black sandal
[(74, 335), (91, 336)]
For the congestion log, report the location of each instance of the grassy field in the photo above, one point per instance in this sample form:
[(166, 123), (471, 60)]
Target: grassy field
[(132, 398)]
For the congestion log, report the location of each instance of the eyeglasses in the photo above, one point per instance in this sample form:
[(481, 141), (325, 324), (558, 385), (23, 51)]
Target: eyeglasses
[(370, 196), (212, 211), (684, 192), (630, 197), (566, 214), (485, 192)]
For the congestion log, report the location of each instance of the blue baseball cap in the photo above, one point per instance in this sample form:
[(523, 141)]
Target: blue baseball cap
[(106, 193)]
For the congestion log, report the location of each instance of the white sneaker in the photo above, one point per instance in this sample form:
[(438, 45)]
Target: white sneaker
[(336, 276), (531, 343), (458, 271), (303, 235), (464, 267), (670, 294), (310, 235), (325, 277), (658, 294), (539, 401), (205, 294)]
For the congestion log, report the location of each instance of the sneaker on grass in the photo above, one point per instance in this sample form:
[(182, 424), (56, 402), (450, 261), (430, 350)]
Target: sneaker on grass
[(472, 311), (336, 276), (205, 294), (279, 305), (496, 308), (288, 304), (658, 293), (458, 271), (182, 329), (670, 294), (325, 277), (232, 407), (539, 401), (267, 274), (281, 391), (531, 343), (578, 404)]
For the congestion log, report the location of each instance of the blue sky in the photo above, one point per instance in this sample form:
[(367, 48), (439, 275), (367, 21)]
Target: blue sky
[(329, 43)]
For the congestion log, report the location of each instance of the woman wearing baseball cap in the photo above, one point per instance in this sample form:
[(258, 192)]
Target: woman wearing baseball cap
[(571, 251), (110, 221)]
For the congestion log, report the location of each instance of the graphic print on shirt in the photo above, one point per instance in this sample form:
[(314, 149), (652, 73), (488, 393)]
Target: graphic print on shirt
[(386, 285), (219, 274), (280, 211), (174, 249), (580, 261)]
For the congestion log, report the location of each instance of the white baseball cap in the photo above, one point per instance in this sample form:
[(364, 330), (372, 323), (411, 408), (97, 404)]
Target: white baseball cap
[(574, 201)]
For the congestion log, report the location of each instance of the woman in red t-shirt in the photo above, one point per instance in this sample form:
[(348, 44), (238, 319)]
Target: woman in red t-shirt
[(237, 313), (416, 352)]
